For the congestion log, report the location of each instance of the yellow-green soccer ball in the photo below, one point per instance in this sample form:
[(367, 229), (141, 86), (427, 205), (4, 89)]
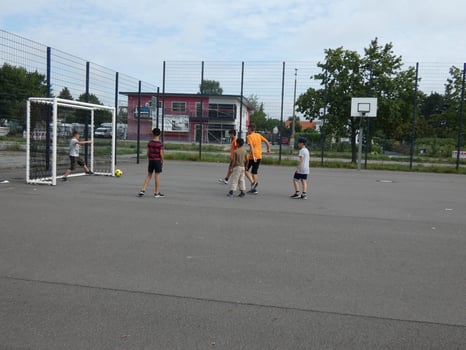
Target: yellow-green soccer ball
[(118, 173)]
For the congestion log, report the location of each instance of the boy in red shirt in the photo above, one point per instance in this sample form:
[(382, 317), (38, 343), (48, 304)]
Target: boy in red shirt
[(233, 148), (155, 156)]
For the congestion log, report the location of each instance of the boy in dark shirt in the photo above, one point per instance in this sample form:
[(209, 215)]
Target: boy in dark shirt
[(155, 157)]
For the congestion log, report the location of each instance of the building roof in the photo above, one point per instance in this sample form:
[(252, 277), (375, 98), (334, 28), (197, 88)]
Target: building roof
[(305, 124)]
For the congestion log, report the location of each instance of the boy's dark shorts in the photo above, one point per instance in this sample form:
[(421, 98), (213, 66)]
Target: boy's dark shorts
[(254, 165), (74, 160), (154, 165), (298, 176)]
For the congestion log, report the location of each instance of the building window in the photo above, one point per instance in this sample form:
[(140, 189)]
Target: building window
[(222, 111), (179, 106), (198, 110)]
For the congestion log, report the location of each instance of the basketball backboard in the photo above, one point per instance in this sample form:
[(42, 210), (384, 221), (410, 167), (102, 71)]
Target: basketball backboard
[(364, 107)]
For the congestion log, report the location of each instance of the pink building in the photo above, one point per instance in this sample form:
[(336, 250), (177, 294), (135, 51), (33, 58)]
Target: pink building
[(180, 116)]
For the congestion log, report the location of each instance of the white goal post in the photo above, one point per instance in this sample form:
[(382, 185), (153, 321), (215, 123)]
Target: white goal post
[(48, 133)]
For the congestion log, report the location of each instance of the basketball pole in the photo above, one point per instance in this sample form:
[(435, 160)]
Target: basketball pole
[(362, 107), (360, 140)]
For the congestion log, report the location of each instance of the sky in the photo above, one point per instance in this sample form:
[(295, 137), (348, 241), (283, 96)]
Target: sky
[(136, 37)]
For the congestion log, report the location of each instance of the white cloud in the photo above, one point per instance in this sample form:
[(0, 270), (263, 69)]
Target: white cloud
[(136, 36)]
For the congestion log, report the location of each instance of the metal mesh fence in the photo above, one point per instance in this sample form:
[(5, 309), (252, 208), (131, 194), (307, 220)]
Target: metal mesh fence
[(272, 86), (433, 75), (63, 73), (264, 80)]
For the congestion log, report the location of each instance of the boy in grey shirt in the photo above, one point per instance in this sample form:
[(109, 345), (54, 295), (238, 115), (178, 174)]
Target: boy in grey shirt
[(74, 156)]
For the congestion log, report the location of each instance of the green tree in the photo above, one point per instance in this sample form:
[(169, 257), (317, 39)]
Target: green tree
[(16, 86), (254, 103), (393, 87), (345, 74), (432, 104), (259, 117), (100, 116), (210, 87), (65, 94), (448, 125), (441, 112), (310, 103)]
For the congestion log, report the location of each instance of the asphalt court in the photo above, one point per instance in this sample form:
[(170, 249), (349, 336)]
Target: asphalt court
[(372, 260)]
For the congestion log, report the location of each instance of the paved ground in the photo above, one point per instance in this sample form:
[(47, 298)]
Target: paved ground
[(373, 260)]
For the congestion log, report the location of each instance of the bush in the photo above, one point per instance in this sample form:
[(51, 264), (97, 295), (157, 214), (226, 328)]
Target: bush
[(437, 147)]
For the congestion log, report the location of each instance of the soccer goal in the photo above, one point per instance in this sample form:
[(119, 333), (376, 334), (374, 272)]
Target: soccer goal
[(49, 128)]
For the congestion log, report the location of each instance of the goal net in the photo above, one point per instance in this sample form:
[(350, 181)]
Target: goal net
[(49, 128)]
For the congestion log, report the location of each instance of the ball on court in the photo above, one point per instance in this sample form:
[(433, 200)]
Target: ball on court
[(118, 172)]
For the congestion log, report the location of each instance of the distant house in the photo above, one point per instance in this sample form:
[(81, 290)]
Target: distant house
[(180, 116), (305, 124)]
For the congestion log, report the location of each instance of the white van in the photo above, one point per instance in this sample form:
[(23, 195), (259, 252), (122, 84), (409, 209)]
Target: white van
[(103, 132)]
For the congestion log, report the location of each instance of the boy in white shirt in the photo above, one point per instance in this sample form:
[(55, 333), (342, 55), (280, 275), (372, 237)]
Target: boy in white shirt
[(74, 156), (302, 170)]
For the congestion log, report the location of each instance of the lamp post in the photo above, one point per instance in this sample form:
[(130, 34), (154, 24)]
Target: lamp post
[(293, 122)]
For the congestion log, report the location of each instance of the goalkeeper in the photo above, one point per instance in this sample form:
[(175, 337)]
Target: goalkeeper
[(74, 156)]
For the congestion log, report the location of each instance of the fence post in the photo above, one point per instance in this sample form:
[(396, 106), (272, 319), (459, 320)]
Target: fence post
[(139, 124), (460, 131), (115, 129), (49, 121), (88, 118), (413, 129), (324, 115), (202, 111), (281, 116), (163, 102), (241, 101), (157, 108)]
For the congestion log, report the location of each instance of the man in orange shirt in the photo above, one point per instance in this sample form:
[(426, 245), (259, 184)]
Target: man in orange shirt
[(255, 140)]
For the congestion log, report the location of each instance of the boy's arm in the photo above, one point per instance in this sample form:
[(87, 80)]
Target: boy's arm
[(83, 142), (266, 143), (162, 154), (300, 163)]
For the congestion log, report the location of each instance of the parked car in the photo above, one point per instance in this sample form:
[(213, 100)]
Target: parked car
[(103, 132), (285, 141)]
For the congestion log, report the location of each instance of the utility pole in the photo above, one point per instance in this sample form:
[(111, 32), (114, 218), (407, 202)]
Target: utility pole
[(293, 122)]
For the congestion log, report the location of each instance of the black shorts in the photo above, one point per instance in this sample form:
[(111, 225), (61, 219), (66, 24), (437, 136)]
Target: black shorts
[(74, 160), (154, 165), (297, 176), (254, 165)]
